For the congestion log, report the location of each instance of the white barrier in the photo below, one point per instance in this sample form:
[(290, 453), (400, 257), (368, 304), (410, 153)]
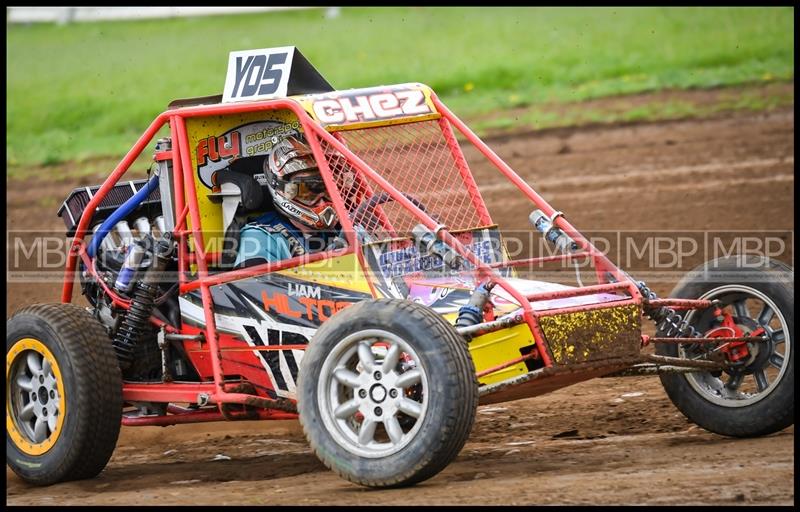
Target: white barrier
[(63, 15)]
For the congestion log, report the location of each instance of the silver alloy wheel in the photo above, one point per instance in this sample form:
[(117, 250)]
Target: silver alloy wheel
[(766, 364), (372, 398), (35, 397)]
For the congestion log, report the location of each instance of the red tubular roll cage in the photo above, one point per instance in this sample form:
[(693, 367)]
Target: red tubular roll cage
[(186, 205)]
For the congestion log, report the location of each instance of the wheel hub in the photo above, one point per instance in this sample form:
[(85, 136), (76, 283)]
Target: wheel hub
[(752, 362), (43, 396), (378, 393)]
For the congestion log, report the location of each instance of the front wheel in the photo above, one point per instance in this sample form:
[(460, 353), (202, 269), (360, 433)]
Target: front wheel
[(756, 396), (387, 393), (63, 394)]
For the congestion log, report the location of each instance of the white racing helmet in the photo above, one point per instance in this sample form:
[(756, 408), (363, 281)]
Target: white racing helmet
[(296, 185)]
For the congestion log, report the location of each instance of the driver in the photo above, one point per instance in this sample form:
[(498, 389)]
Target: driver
[(305, 221)]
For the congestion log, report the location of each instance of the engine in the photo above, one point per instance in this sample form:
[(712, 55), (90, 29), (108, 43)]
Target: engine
[(133, 256)]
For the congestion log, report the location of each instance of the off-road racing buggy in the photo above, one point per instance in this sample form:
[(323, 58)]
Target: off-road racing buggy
[(384, 344)]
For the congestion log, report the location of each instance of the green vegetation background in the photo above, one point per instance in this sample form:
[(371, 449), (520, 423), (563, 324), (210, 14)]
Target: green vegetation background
[(90, 89)]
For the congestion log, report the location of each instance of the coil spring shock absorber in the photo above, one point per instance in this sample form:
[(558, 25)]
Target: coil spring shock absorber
[(667, 320), (142, 304), (472, 312), (134, 324)]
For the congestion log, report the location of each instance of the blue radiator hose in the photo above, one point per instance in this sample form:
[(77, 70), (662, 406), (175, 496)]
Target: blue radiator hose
[(123, 211)]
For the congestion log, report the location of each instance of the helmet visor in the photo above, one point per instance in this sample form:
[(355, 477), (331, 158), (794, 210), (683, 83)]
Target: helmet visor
[(305, 189)]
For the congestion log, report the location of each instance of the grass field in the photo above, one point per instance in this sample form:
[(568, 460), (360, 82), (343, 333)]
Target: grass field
[(90, 89)]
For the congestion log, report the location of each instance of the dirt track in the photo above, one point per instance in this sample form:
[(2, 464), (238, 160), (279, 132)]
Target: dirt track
[(606, 441)]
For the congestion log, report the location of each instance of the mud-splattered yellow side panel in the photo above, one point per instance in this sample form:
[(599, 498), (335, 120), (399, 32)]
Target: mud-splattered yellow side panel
[(593, 335)]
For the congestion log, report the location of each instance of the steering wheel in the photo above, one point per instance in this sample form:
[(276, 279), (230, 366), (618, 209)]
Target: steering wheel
[(364, 215)]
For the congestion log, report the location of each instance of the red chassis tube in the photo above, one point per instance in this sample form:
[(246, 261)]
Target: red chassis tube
[(186, 202), (178, 415), (204, 417)]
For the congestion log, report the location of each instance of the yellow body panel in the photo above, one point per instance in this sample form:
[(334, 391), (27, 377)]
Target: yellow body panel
[(496, 348), (342, 272)]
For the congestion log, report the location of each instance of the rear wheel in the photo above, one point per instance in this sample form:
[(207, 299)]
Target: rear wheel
[(63, 394), (387, 393), (756, 397)]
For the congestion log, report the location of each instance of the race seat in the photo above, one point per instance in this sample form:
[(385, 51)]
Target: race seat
[(240, 194)]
